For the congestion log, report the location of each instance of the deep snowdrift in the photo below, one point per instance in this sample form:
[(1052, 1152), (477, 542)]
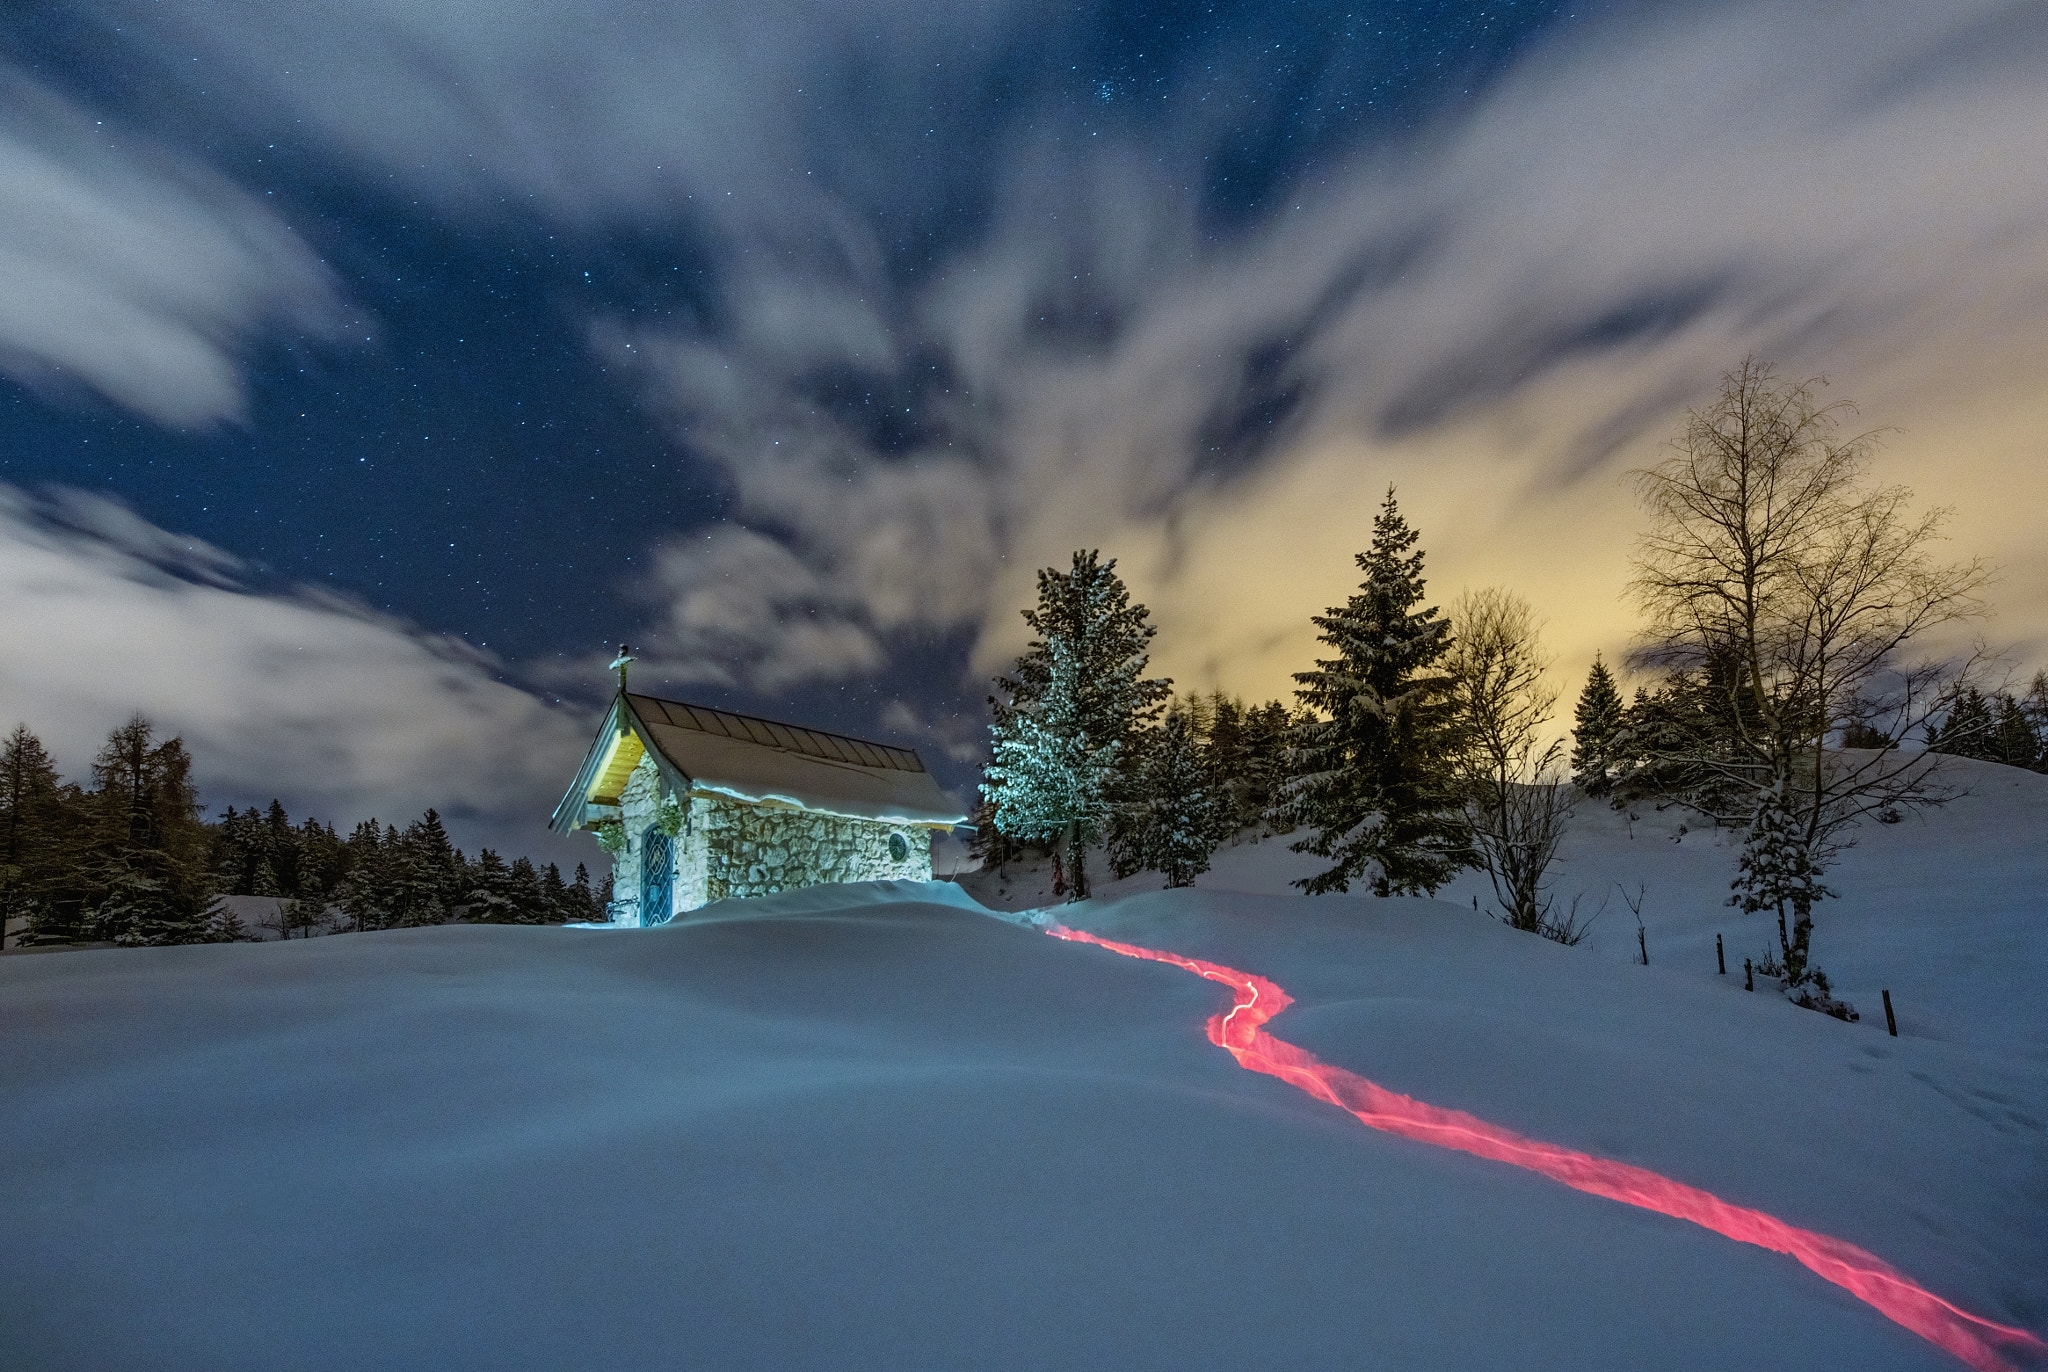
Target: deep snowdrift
[(873, 1127)]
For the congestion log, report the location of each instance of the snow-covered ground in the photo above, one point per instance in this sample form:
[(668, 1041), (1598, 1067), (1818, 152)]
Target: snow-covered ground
[(872, 1127), (1947, 909)]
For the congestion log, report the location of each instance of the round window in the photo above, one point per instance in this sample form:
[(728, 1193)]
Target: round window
[(899, 848)]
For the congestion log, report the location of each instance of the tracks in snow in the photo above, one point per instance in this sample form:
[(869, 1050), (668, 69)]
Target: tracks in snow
[(1240, 1031)]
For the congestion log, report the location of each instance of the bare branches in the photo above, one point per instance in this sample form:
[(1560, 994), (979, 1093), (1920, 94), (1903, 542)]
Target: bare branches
[(1793, 591), (1517, 795)]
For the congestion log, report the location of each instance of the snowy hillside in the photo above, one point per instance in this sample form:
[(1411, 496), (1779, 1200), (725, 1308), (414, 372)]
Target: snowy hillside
[(1948, 908), (871, 1127)]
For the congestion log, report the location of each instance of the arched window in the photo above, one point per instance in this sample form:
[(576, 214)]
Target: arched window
[(657, 878), (899, 848)]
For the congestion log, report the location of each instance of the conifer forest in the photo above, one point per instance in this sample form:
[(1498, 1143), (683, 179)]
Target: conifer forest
[(131, 859)]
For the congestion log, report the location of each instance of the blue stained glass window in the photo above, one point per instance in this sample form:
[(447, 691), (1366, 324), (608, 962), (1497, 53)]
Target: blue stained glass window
[(657, 879)]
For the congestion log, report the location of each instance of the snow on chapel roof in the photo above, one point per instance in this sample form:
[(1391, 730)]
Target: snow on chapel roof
[(755, 760)]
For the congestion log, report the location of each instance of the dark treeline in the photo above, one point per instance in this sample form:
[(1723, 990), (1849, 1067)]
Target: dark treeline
[(1668, 741), (131, 859), (1998, 727)]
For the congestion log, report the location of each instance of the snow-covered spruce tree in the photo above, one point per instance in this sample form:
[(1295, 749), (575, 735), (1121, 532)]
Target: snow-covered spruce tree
[(1049, 780), (1267, 729), (990, 845), (529, 898), (1064, 720), (1242, 746), (1169, 825), (1375, 757), (364, 893), (425, 874), (1596, 720), (490, 898), (1226, 761), (1777, 872)]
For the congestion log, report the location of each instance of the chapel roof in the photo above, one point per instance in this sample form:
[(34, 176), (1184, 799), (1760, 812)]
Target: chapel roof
[(761, 761)]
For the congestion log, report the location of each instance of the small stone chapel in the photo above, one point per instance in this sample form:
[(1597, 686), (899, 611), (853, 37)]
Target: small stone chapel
[(695, 805)]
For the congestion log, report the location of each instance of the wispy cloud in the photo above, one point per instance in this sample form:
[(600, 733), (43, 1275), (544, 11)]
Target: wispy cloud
[(737, 607), (342, 711), (130, 270), (1499, 311), (593, 114)]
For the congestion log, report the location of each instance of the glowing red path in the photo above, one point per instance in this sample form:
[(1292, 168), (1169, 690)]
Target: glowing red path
[(1240, 1031)]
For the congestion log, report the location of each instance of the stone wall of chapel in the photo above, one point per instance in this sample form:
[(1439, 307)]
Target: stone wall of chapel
[(757, 850), (733, 848), (638, 804)]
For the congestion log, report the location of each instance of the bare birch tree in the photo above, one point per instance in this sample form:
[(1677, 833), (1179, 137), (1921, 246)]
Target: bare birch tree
[(1517, 799), (1774, 570)]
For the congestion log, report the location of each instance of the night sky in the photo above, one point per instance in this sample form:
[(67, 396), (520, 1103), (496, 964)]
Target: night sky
[(367, 371)]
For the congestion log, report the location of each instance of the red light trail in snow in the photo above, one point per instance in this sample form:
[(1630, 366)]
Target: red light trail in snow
[(1240, 1031)]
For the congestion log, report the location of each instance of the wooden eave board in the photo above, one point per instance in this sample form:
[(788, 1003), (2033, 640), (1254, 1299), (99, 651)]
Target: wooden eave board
[(611, 781)]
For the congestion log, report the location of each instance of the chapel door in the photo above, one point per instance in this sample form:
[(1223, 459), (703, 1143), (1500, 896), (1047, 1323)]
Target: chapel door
[(657, 878)]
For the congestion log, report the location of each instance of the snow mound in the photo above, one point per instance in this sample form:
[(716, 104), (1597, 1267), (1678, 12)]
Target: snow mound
[(869, 1127)]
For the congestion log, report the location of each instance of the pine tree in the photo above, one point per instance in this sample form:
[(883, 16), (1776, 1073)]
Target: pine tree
[(281, 849), (1682, 742), (490, 898), (230, 859), (364, 892), (557, 904), (30, 824), (2012, 735), (424, 873), (588, 906), (145, 870), (306, 911), (1051, 780), (1596, 721), (1078, 695), (1374, 777), (223, 925), (1267, 730), (2034, 705), (1966, 729), (529, 904), (1171, 826), (1242, 748), (321, 860), (990, 845)]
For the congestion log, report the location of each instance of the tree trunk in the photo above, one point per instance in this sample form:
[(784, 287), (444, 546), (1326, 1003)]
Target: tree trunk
[(1077, 871), (1802, 941)]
